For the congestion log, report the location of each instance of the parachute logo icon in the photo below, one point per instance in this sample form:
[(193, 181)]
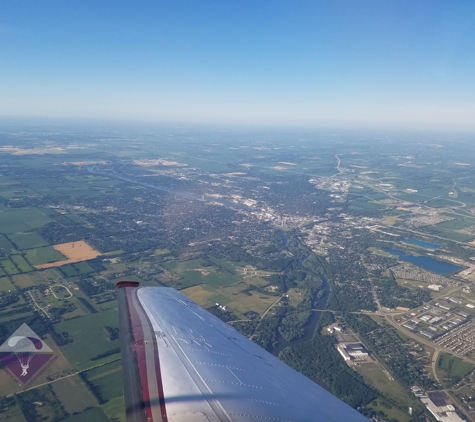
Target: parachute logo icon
[(24, 353), (25, 348)]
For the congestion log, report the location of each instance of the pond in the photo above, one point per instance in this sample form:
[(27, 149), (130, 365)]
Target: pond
[(426, 262), (426, 245)]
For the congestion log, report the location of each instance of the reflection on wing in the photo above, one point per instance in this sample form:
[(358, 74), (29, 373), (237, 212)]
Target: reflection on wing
[(183, 364)]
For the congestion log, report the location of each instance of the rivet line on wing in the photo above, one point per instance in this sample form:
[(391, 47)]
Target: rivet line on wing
[(265, 402), (235, 383), (220, 365), (207, 351), (261, 417)]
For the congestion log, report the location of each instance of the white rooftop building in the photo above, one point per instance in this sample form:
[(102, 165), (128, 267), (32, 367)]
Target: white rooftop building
[(442, 413), (352, 351)]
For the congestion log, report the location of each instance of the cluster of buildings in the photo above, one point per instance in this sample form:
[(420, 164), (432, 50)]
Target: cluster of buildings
[(339, 188), (438, 320), (336, 328), (222, 307), (411, 272), (438, 404), (347, 349)]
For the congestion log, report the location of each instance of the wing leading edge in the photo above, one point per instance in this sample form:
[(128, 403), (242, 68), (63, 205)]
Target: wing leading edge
[(182, 364)]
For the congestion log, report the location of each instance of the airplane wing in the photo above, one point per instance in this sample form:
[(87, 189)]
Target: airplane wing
[(182, 364)]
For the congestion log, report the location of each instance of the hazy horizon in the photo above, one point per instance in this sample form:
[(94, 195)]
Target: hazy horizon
[(404, 64)]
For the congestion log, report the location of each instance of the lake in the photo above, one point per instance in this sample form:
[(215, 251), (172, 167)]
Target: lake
[(431, 264), (421, 243)]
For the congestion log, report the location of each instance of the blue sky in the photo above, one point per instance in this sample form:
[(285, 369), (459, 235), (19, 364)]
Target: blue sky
[(397, 63)]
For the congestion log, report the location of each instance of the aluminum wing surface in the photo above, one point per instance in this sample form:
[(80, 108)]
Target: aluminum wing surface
[(182, 364)]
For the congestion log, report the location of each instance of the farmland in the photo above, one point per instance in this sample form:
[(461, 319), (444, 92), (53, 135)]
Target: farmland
[(254, 229), (90, 338), (74, 252)]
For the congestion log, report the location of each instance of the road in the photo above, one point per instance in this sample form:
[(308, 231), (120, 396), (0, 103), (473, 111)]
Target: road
[(38, 306), (426, 342), (62, 378), (264, 314), (389, 318), (435, 356), (64, 287)]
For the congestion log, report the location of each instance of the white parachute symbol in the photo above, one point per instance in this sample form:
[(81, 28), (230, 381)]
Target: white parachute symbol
[(25, 348)]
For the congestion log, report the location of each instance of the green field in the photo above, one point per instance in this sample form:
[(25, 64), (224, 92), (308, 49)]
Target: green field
[(73, 394), (23, 220), (9, 267), (205, 296), (12, 414), (6, 284), (455, 224), (5, 245), (27, 240), (23, 280), (46, 275), (108, 379), (412, 197), (21, 264), (68, 270), (83, 268), (442, 203), (90, 337), (373, 373), (365, 205), (379, 252), (200, 271), (43, 255), (115, 268), (20, 315), (433, 191), (96, 414), (448, 234), (392, 412), (452, 367), (115, 409)]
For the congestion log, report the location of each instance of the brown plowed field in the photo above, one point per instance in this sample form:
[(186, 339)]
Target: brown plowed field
[(74, 251)]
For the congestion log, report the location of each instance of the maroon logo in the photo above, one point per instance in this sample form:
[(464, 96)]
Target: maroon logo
[(25, 355)]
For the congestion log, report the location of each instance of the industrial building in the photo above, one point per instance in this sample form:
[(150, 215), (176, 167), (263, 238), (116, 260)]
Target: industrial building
[(411, 325), (351, 351), (435, 320), (427, 334), (443, 306), (343, 353), (438, 405)]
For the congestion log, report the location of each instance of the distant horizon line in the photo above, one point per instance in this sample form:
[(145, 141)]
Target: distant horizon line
[(360, 126)]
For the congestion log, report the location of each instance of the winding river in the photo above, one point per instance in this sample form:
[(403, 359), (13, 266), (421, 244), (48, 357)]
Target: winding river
[(309, 327)]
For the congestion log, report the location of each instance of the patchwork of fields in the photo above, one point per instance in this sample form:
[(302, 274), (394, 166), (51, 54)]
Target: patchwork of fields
[(77, 217)]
